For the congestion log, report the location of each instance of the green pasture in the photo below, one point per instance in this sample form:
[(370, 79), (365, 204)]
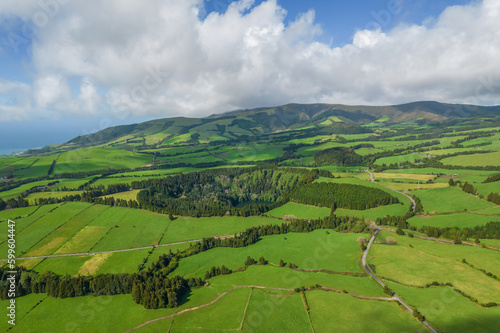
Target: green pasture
[(57, 238), (277, 277), (99, 158), (448, 311), (299, 211), (316, 250), (48, 195), (461, 220), (358, 315), (487, 159), (16, 213), (426, 262), (449, 199), (276, 313), (186, 228), (37, 231)]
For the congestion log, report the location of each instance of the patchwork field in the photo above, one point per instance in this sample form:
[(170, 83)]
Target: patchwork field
[(307, 281), (316, 250), (424, 262), (456, 200), (461, 220)]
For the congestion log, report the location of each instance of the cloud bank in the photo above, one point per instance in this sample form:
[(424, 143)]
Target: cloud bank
[(161, 58)]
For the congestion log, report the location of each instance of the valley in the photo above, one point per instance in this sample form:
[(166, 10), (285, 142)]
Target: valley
[(263, 220)]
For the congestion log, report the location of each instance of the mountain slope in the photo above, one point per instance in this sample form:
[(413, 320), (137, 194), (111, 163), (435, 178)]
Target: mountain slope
[(250, 123)]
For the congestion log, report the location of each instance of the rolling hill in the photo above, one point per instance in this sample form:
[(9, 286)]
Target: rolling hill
[(247, 124)]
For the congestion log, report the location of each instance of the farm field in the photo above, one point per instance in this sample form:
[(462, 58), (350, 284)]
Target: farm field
[(474, 160), (185, 229), (461, 220), (391, 262), (456, 200), (357, 315), (96, 158), (449, 311), (129, 195), (299, 211), (305, 253), (33, 197), (373, 213)]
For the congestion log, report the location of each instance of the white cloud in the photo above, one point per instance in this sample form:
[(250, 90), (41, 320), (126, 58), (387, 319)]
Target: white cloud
[(159, 58)]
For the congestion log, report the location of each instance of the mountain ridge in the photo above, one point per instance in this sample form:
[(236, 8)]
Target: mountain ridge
[(249, 123)]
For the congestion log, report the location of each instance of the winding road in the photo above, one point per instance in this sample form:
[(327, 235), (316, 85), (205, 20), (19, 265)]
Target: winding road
[(369, 271), (414, 204)]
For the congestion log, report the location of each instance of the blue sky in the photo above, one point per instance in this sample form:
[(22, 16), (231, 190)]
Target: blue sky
[(341, 19), (80, 66)]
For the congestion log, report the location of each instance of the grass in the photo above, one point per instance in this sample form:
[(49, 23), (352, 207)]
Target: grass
[(91, 266), (22, 308), (226, 314), (488, 188), (61, 235), (127, 237), (316, 250), (276, 277), (37, 231), (39, 168), (448, 311), (408, 187), (13, 214), (358, 315), (426, 262), (99, 158), (123, 262), (128, 195), (185, 228), (118, 262), (127, 217), (61, 265), (23, 222), (84, 240), (461, 220), (48, 195), (89, 314), (15, 192), (399, 159), (474, 160), (494, 210), (449, 199), (299, 211), (389, 175), (271, 313)]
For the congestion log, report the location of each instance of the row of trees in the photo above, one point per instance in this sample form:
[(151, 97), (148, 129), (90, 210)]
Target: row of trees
[(490, 230), (493, 178), (494, 197)]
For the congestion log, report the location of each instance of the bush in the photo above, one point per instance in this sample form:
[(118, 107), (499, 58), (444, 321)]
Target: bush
[(289, 218), (391, 241), (362, 240)]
